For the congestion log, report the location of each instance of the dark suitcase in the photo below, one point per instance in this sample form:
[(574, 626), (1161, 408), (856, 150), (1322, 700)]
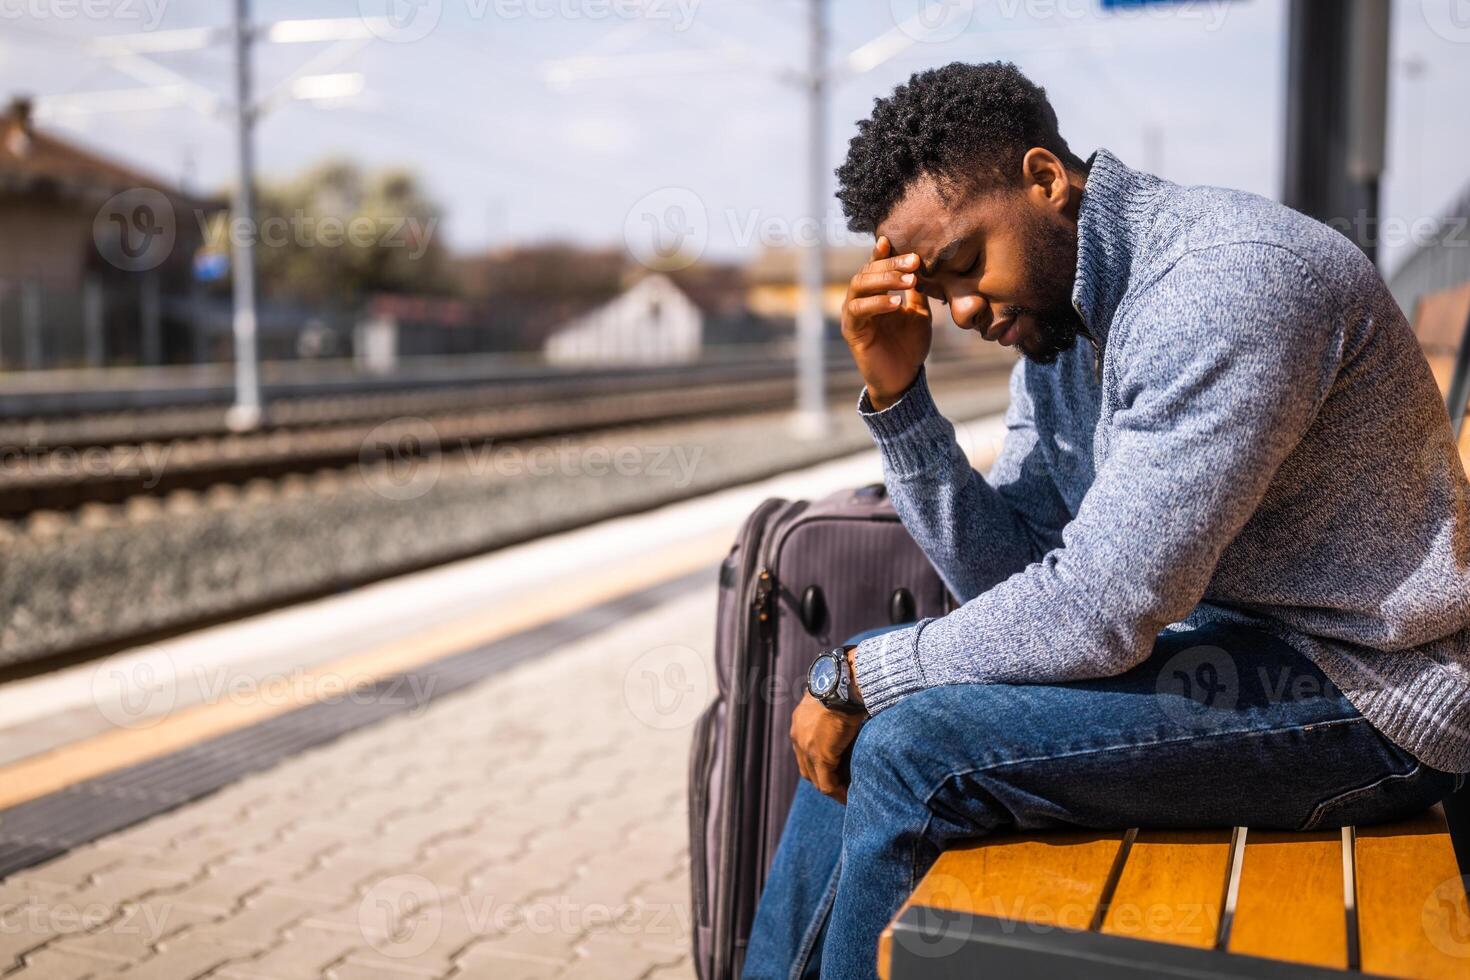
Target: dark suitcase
[(802, 576)]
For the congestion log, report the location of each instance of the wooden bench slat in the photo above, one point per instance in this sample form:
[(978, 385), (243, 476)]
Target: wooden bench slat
[(1172, 887), (1439, 321), (1413, 917), (1290, 905), (1056, 879)]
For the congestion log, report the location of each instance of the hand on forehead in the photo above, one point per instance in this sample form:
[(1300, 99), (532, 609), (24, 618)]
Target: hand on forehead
[(927, 226)]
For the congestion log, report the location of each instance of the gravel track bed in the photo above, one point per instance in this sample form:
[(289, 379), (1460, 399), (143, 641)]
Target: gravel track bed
[(63, 478), (158, 564)]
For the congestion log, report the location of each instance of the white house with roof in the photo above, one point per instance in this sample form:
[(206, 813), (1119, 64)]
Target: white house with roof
[(650, 322)]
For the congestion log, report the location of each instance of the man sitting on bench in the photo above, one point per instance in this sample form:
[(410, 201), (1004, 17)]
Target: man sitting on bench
[(1219, 574)]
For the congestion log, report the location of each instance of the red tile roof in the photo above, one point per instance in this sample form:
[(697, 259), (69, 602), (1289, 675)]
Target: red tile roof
[(29, 158)]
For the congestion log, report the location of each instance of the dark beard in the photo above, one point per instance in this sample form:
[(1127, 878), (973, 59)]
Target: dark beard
[(1058, 331), (1051, 269)]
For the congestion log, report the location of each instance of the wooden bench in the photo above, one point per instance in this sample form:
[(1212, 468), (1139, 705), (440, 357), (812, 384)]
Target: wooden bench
[(1440, 322), (1383, 900)]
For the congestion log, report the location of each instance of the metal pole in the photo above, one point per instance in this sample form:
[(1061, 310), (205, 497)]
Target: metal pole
[(246, 412), (94, 345), (30, 324), (1367, 123), (811, 401), (150, 313), (1336, 110)]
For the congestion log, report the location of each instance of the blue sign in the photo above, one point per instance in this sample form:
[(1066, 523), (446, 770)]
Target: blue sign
[(211, 266)]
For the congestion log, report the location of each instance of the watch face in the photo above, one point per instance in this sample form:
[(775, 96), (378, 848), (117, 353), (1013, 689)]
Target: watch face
[(823, 679)]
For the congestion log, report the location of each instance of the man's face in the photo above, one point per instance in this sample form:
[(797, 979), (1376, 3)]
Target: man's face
[(1004, 265)]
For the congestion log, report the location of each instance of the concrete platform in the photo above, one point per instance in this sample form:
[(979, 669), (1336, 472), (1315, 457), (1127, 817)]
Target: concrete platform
[(531, 825)]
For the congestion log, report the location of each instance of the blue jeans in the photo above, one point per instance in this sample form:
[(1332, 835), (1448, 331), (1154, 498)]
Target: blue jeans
[(1222, 726)]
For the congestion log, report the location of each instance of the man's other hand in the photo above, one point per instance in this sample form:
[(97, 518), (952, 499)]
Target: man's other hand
[(821, 738)]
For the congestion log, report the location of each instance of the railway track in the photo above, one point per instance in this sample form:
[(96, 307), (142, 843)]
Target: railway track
[(163, 416), (52, 476)]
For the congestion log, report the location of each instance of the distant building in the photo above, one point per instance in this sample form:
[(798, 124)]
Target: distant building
[(94, 255), (774, 281), (394, 325), (533, 289), (570, 304), (774, 291), (651, 322)]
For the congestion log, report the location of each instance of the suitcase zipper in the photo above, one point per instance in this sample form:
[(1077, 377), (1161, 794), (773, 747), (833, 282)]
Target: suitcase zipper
[(723, 953), (760, 602)]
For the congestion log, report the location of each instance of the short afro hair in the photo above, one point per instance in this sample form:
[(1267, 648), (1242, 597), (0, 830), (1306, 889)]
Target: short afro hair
[(966, 126)]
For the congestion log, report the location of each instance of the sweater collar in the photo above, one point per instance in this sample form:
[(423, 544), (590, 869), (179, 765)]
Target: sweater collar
[(1118, 206)]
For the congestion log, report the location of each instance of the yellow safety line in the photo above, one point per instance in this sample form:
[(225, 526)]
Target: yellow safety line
[(55, 770), (59, 768)]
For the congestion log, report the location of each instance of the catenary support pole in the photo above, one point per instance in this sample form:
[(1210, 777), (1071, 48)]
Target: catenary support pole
[(247, 410), (811, 404)]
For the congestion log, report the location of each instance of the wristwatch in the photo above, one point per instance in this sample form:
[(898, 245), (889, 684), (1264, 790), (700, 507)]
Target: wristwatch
[(830, 681)]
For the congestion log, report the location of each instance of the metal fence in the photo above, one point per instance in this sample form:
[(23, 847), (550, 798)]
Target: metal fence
[(43, 325), (1439, 264)]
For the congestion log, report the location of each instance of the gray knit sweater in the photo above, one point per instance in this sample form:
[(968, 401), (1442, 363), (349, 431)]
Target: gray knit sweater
[(1254, 438)]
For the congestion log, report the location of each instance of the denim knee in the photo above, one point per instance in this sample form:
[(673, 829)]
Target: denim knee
[(893, 743)]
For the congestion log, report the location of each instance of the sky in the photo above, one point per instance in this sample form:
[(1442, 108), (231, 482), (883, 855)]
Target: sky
[(584, 120)]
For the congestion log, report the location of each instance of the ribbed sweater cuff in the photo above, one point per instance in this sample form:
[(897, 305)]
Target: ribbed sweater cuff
[(1419, 705), (888, 667), (911, 434)]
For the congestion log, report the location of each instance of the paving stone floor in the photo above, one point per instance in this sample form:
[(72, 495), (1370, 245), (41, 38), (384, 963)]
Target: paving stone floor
[(533, 826)]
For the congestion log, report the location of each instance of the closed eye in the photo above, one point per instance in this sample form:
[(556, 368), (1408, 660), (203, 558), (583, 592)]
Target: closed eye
[(928, 288)]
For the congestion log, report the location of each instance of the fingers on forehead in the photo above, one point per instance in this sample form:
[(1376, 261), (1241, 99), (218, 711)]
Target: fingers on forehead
[(906, 262)]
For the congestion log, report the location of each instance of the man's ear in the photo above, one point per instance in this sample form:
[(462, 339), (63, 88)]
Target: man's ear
[(1045, 179)]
